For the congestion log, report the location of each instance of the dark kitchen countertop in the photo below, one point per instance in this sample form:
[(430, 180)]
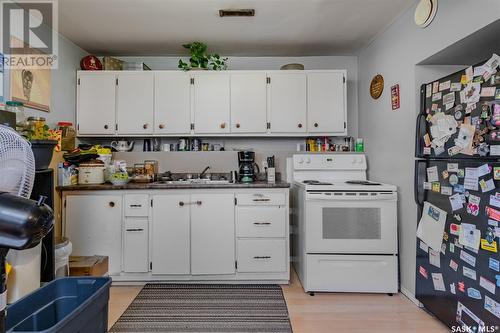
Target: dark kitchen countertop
[(164, 186)]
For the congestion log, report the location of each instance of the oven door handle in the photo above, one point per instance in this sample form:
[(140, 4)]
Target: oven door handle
[(321, 197)]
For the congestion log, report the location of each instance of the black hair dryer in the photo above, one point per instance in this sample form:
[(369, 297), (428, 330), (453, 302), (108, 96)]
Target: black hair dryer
[(23, 224)]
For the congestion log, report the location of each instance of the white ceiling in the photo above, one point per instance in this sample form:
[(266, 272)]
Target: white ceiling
[(279, 28)]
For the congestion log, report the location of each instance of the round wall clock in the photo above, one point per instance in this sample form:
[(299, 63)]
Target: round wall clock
[(377, 86), (425, 12)]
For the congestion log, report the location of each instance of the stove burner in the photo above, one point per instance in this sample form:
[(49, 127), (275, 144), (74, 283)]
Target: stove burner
[(315, 182), (361, 182)]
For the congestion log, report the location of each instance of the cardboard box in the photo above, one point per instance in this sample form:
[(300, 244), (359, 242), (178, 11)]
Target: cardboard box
[(88, 266)]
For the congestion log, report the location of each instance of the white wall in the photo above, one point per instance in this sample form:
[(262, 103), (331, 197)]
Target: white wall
[(63, 85), (389, 135), (350, 63)]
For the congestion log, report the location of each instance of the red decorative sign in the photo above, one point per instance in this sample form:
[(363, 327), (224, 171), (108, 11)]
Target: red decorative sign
[(395, 100)]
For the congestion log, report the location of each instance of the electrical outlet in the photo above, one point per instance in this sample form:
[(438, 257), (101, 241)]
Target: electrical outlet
[(264, 165)]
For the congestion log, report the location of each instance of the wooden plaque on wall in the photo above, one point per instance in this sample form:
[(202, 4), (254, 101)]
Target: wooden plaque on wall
[(377, 86)]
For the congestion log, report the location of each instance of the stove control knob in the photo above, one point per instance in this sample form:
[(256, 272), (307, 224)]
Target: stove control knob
[(300, 160), (308, 160), (360, 160)]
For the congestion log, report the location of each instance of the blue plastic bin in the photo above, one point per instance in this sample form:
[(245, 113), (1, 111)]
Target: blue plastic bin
[(73, 304)]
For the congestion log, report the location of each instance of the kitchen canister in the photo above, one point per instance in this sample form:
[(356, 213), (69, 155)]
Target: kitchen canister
[(91, 173)]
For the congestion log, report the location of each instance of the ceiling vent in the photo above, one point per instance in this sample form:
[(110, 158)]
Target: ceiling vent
[(236, 12)]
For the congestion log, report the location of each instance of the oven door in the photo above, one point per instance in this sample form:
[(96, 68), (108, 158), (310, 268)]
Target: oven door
[(340, 222)]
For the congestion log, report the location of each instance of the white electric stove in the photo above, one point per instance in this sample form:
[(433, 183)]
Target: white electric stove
[(344, 226)]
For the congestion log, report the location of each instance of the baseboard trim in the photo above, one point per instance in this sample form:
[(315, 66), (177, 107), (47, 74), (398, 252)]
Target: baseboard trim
[(408, 294)]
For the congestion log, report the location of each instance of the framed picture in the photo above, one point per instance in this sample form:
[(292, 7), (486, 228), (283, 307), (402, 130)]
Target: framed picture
[(32, 87), (2, 94)]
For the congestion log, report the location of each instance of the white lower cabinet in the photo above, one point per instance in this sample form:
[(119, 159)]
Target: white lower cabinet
[(189, 235), (135, 245), (170, 237), (262, 255), (212, 234), (94, 226)]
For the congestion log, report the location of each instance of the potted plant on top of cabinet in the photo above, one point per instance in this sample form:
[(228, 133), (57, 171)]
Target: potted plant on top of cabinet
[(201, 60)]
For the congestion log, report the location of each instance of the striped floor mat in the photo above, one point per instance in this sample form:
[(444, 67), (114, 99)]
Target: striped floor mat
[(206, 308)]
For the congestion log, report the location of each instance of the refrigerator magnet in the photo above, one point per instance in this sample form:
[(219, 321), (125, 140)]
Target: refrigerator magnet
[(435, 87), (469, 273), (492, 306), (453, 180), (444, 85), (468, 258), (452, 167), (493, 213), (445, 238), (436, 187), (445, 174), (453, 288), (446, 190), (427, 186), (455, 229), (456, 86), (464, 317), (474, 293), (452, 248), (461, 286), (496, 173), (487, 284), (494, 264), (492, 247), (453, 265), (457, 217), (423, 272)]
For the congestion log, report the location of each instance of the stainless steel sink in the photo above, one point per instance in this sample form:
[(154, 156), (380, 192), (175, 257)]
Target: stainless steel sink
[(193, 181)]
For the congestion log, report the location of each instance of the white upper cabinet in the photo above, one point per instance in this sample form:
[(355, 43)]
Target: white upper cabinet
[(211, 103), (248, 103), (135, 103), (326, 110), (96, 104), (287, 102), (172, 103)]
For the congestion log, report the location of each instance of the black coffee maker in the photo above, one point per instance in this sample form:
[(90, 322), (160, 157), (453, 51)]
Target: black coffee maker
[(247, 163)]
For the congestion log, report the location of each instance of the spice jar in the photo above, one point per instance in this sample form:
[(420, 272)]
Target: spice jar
[(36, 125), (68, 135)]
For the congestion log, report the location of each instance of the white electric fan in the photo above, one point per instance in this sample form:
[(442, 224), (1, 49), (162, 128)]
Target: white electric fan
[(17, 164), (23, 222)]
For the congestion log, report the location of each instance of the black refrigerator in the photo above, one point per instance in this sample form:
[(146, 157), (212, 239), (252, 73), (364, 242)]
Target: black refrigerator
[(457, 171)]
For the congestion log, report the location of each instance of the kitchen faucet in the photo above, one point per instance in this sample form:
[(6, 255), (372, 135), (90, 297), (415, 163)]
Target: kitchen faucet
[(203, 172)]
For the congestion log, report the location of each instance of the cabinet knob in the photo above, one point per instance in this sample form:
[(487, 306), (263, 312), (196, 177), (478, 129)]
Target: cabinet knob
[(237, 125), (198, 203), (223, 125), (111, 204), (145, 126), (106, 126), (161, 126), (299, 125), (315, 124), (181, 203)]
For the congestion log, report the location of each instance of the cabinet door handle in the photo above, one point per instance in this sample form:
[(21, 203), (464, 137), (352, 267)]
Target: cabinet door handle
[(145, 126), (106, 126), (299, 125), (262, 257), (111, 204), (134, 230), (261, 200), (262, 223), (161, 126), (136, 206), (181, 203), (223, 125), (315, 124)]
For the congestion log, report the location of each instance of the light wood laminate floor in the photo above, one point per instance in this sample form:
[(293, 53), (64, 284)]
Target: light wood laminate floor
[(328, 312)]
